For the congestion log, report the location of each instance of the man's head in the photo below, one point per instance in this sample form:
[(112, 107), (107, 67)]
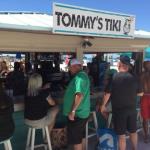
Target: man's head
[(74, 66), (124, 64)]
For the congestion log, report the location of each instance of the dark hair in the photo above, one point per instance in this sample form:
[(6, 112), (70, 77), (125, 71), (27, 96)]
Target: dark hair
[(16, 66), (125, 60), (28, 67)]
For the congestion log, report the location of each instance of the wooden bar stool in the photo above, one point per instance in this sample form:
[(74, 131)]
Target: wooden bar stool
[(31, 138)]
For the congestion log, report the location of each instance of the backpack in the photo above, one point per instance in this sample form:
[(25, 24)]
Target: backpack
[(107, 139)]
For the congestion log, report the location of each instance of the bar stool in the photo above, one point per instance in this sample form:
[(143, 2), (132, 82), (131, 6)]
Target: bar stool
[(139, 120), (7, 144), (92, 118), (109, 120), (31, 138)]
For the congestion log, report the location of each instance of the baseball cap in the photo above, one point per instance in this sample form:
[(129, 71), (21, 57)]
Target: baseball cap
[(125, 60), (74, 61)]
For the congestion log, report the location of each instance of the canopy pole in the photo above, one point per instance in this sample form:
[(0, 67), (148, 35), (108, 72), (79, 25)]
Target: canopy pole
[(79, 54)]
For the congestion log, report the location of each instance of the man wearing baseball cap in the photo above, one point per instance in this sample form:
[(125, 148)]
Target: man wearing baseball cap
[(77, 104), (123, 91)]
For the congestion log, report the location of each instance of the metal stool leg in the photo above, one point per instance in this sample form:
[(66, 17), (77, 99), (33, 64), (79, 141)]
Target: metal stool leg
[(28, 138), (43, 133), (48, 138), (95, 120), (32, 139), (7, 145), (86, 136), (109, 120)]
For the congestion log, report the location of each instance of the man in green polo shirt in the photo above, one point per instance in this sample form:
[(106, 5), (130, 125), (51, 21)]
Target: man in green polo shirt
[(77, 104)]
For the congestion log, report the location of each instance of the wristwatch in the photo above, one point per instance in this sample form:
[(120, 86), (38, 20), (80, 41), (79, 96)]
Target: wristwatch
[(73, 111)]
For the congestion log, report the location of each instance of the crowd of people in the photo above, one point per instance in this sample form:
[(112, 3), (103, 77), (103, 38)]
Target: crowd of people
[(120, 88)]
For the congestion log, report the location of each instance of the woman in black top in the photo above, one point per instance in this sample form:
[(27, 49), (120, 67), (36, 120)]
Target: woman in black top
[(6, 120), (38, 104)]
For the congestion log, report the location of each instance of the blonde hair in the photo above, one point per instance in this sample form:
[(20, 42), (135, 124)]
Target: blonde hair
[(34, 84)]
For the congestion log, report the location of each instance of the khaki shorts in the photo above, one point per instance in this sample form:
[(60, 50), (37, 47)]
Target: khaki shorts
[(47, 120)]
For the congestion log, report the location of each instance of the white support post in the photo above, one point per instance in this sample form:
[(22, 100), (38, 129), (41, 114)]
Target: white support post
[(79, 54)]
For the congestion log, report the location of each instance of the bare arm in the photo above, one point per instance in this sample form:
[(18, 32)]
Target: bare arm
[(104, 102), (140, 94), (105, 98), (50, 100), (77, 101)]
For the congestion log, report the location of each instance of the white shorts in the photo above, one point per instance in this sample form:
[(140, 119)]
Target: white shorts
[(47, 120)]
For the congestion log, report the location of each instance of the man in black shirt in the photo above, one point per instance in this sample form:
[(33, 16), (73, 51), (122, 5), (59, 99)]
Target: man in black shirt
[(123, 91)]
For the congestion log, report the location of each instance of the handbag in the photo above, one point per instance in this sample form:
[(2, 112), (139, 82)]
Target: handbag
[(59, 138), (107, 139)]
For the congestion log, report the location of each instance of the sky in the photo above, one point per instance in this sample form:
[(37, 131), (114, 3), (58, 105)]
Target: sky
[(139, 8)]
